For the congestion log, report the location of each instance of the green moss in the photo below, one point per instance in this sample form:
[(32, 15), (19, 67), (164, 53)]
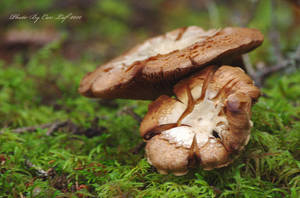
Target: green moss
[(43, 89), (269, 166)]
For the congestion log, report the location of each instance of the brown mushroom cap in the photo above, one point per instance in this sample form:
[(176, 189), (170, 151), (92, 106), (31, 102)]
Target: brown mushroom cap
[(153, 67), (210, 117)]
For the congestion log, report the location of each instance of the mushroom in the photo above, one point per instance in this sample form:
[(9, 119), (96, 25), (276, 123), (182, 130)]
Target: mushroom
[(208, 122), (153, 67)]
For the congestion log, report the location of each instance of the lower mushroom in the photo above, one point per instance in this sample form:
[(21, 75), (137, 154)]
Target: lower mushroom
[(207, 123)]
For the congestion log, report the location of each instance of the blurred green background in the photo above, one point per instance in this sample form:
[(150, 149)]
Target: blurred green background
[(108, 27), (94, 155)]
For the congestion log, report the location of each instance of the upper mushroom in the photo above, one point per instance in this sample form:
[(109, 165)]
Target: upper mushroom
[(153, 67)]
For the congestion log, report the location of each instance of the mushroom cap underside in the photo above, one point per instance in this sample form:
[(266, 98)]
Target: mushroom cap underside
[(155, 66), (208, 121)]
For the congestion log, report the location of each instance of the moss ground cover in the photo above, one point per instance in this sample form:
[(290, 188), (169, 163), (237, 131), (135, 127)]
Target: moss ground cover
[(104, 164), (94, 151)]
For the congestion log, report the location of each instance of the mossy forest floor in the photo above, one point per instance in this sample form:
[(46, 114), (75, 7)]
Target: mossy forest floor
[(96, 157), (80, 147)]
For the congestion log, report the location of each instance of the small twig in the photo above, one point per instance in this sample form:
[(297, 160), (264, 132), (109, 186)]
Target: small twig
[(282, 63), (129, 111), (52, 127), (250, 70), (21, 195), (68, 125), (55, 126), (138, 148), (248, 65), (260, 75), (39, 171), (30, 128)]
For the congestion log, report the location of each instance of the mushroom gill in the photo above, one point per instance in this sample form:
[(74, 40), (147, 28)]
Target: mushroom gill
[(207, 123)]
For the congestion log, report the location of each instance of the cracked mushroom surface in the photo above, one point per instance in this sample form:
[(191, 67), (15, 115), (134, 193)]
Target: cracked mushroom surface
[(207, 123), (152, 68)]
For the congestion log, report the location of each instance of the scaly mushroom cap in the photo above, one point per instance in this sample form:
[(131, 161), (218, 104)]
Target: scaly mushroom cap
[(153, 67), (207, 123)]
